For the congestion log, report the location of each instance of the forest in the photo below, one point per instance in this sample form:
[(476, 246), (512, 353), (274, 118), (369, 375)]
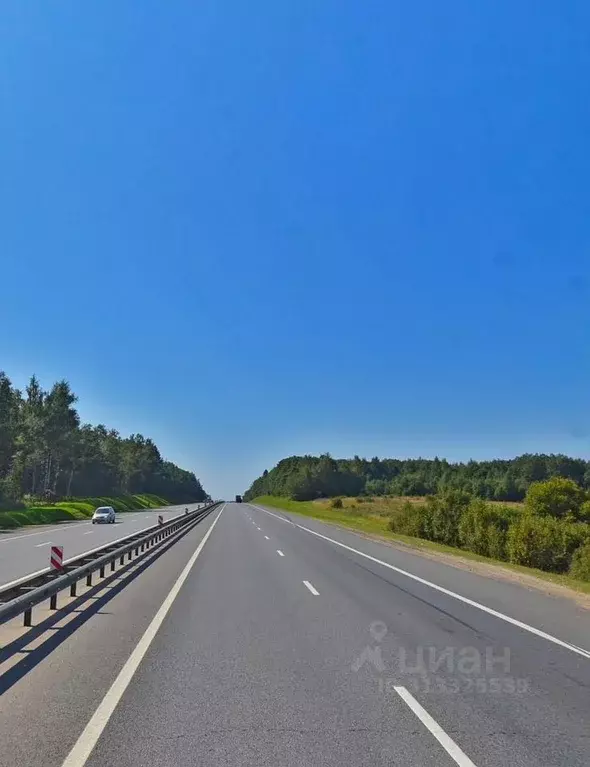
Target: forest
[(308, 477), (46, 452)]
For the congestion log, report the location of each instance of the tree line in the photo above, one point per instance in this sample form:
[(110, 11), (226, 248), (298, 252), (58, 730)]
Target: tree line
[(46, 452), (308, 477), (551, 531)]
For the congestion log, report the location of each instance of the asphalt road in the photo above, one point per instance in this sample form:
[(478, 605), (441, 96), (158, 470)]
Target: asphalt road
[(267, 639), (26, 550)]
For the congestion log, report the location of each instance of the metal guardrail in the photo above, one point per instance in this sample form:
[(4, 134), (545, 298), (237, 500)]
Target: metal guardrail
[(40, 577), (20, 598)]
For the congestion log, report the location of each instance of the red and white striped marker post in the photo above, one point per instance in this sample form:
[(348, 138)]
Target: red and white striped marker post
[(160, 520), (57, 557)]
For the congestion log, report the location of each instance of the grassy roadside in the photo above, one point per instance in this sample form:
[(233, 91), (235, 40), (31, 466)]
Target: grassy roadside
[(372, 519), (81, 508)]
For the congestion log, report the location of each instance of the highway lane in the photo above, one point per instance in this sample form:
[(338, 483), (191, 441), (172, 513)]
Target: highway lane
[(249, 669), (555, 615), (439, 647), (301, 659), (50, 688), (280, 647), (26, 550)]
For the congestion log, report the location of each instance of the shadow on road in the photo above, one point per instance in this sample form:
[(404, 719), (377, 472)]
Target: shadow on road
[(93, 605)]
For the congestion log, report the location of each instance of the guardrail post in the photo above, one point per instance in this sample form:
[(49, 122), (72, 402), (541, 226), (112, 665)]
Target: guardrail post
[(106, 556)]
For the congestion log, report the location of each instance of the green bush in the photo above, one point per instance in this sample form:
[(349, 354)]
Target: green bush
[(584, 513), (556, 497), (437, 519), (496, 547), (545, 542), (336, 503), (411, 519), (8, 499), (580, 566), (473, 527), (483, 528), (444, 512), (575, 535), (376, 486)]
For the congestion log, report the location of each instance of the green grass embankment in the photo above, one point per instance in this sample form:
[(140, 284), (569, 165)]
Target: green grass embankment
[(80, 508), (372, 518)]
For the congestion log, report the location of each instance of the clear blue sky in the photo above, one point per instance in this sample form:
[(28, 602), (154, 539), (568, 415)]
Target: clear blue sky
[(256, 229)]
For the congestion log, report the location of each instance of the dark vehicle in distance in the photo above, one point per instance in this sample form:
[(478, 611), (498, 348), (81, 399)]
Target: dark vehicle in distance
[(238, 499)]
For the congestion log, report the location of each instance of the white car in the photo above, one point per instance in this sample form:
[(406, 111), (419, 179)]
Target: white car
[(104, 514)]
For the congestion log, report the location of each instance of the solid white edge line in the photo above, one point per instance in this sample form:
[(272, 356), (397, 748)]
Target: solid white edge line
[(11, 538), (280, 553), (442, 590), (278, 516), (99, 720), (312, 588), (5, 586), (435, 729)]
